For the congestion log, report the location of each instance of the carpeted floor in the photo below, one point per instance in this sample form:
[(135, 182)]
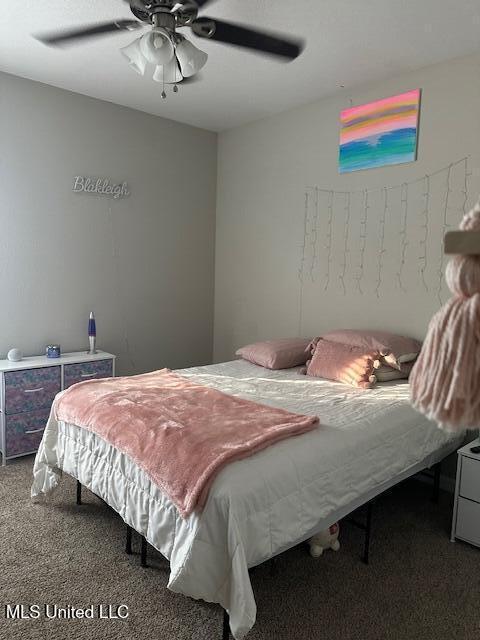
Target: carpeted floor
[(418, 586)]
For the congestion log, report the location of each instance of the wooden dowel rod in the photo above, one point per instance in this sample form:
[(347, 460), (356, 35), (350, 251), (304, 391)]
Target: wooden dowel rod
[(465, 243)]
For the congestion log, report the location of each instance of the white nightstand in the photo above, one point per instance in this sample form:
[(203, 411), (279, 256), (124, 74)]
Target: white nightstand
[(466, 511)]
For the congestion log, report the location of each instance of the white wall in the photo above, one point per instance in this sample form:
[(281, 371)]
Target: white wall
[(263, 171), (145, 264)]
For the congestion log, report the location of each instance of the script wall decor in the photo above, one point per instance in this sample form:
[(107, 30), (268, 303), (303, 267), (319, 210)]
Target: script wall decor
[(100, 187)]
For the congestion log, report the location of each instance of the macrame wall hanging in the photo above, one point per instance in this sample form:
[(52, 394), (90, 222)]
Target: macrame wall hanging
[(364, 241), (444, 380)]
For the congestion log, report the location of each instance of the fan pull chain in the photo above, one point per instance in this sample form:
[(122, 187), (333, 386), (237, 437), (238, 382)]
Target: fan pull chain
[(164, 95), (175, 86)]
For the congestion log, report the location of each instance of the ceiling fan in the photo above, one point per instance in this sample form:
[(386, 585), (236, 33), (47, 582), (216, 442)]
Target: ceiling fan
[(176, 58)]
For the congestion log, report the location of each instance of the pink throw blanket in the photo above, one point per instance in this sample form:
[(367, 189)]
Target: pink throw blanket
[(179, 432)]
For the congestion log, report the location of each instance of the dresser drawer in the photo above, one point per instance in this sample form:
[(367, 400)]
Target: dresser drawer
[(74, 373), (468, 521), (470, 479), (24, 431), (32, 389)]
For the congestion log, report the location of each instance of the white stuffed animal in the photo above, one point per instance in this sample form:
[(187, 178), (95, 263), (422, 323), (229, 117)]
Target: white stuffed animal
[(327, 539)]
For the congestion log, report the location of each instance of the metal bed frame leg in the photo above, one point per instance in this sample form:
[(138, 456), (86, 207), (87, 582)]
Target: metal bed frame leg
[(368, 533), (143, 555), (226, 626), (79, 493), (128, 545), (437, 469), (273, 567), (367, 527)]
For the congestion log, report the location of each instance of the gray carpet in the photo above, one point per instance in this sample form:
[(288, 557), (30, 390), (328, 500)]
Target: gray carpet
[(418, 585)]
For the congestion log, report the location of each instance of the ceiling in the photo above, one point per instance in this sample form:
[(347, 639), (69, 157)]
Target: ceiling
[(349, 42)]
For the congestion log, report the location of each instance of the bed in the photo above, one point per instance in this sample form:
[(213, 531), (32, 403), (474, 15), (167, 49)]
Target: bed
[(367, 441)]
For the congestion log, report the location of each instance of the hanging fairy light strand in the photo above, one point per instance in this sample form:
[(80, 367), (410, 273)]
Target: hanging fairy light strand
[(328, 246), (466, 175), (303, 247), (403, 235), (444, 230), (363, 241), (314, 236), (425, 226), (345, 243), (381, 251), (301, 269)]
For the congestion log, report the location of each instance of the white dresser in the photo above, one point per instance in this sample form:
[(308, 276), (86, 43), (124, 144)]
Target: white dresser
[(27, 390), (466, 511)]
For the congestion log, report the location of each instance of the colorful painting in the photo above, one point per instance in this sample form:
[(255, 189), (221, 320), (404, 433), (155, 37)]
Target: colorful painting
[(379, 133)]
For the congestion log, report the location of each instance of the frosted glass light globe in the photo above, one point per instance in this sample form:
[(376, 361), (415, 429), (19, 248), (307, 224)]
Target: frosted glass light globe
[(156, 46)]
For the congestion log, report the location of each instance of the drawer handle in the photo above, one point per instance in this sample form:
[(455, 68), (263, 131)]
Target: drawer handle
[(33, 390), (35, 430), (88, 375)]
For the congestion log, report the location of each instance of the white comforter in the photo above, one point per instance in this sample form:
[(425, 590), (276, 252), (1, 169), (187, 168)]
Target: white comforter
[(367, 440)]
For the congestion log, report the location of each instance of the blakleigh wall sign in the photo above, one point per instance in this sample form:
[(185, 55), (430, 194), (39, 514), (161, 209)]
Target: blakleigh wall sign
[(100, 187)]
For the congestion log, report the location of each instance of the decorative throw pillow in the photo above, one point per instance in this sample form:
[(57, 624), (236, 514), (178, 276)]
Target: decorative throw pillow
[(394, 348), (386, 373), (283, 353), (345, 363)]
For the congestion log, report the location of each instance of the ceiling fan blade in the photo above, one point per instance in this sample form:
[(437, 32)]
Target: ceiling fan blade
[(138, 4), (70, 35), (183, 6), (241, 36), (139, 10)]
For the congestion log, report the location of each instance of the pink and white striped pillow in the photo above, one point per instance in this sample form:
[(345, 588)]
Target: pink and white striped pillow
[(394, 348), (344, 363)]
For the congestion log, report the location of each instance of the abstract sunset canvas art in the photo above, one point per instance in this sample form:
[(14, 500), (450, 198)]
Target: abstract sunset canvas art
[(379, 133)]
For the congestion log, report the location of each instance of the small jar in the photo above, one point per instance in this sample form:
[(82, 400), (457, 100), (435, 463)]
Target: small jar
[(53, 351)]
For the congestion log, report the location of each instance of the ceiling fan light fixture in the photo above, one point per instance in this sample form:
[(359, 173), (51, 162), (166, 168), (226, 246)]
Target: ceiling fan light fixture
[(190, 58), (168, 73), (134, 56), (156, 46), (174, 57)]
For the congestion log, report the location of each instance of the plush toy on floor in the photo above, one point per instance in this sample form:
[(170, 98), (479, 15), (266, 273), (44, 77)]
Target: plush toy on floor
[(327, 539)]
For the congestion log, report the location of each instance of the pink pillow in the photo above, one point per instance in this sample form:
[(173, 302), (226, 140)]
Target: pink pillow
[(395, 349), (344, 363), (386, 373), (276, 354)]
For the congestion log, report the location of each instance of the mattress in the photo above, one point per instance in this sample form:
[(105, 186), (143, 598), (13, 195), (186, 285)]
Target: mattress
[(367, 440)]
